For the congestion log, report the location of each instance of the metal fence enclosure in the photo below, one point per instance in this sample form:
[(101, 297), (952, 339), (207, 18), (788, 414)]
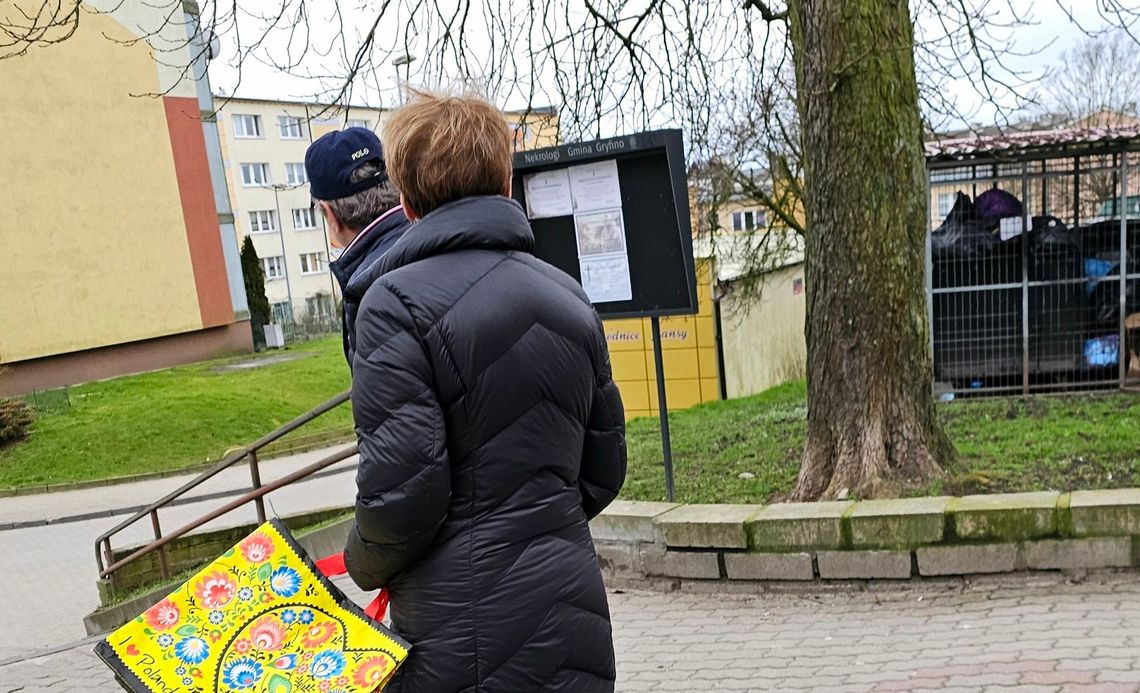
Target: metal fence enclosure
[(1033, 262)]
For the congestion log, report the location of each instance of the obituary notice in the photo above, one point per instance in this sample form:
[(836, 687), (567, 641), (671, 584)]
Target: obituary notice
[(606, 278), (595, 186), (548, 194)]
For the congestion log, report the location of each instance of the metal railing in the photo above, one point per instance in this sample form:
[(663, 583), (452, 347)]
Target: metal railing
[(104, 554)]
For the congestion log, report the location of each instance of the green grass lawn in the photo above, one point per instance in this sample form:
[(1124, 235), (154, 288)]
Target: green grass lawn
[(176, 418), (1007, 445), (183, 417)]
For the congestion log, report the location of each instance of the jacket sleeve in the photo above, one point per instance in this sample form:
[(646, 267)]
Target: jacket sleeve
[(604, 452), (403, 480)]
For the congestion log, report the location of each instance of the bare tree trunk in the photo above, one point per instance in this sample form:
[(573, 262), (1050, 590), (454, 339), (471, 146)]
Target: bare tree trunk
[(872, 424)]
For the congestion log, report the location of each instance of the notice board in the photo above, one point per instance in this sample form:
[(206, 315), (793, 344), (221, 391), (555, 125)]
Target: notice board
[(614, 214)]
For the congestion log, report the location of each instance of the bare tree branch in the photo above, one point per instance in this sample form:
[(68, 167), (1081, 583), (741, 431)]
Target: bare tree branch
[(766, 12)]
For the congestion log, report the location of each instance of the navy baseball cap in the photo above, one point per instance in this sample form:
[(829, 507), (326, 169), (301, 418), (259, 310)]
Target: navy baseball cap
[(330, 161)]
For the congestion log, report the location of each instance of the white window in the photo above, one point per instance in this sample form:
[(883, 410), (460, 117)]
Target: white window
[(319, 306), (282, 313), (291, 128), (358, 124), (274, 267), (749, 220), (304, 218), (246, 126), (253, 175), (262, 221), (312, 263), (295, 174), (946, 204)]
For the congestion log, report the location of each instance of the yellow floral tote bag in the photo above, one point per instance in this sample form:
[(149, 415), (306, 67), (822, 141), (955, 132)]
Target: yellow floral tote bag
[(259, 619)]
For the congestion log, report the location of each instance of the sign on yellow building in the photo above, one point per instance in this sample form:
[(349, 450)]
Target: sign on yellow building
[(692, 366)]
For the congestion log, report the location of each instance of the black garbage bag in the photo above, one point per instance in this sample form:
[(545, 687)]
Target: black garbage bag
[(1104, 301), (975, 338), (1104, 236), (1049, 230), (962, 233), (1055, 251), (1057, 309)]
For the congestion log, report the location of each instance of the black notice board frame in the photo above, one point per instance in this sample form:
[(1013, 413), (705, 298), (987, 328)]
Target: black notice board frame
[(682, 274)]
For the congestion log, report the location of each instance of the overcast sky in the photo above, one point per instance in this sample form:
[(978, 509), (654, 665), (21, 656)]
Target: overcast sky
[(1050, 33)]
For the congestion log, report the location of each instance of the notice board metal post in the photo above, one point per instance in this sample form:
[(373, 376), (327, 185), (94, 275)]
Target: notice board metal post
[(663, 408), (656, 243)]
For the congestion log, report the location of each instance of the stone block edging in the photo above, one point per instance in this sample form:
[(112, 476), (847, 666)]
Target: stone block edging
[(871, 540), (662, 544)]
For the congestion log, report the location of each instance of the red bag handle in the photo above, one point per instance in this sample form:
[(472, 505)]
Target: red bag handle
[(334, 565)]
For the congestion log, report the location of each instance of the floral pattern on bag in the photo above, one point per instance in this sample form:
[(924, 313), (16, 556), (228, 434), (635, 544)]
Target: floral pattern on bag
[(257, 619)]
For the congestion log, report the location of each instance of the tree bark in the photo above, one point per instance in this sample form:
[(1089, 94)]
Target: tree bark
[(872, 424)]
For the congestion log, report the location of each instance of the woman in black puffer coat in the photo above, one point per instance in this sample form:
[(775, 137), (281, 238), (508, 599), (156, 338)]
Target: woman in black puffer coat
[(490, 428)]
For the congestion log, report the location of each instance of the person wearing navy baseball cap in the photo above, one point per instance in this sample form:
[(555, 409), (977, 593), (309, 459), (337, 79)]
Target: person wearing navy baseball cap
[(349, 183)]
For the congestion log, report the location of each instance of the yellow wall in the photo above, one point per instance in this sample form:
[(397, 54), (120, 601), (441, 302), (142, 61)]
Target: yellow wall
[(764, 346), (689, 351), (533, 130), (94, 243)]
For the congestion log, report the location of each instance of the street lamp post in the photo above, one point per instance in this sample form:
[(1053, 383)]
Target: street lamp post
[(277, 187), (324, 229), (405, 62)]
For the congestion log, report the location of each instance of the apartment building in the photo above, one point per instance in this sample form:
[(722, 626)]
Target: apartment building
[(119, 255), (263, 147)]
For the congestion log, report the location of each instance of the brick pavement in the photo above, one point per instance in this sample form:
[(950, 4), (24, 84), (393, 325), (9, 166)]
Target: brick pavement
[(1024, 634)]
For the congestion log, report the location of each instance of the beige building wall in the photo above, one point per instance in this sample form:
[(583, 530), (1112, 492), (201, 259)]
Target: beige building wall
[(110, 228), (534, 129), (764, 344), (281, 195)]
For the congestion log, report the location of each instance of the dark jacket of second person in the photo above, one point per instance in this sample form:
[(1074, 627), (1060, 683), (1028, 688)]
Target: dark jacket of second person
[(352, 268)]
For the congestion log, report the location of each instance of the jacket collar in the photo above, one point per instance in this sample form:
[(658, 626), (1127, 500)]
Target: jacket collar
[(490, 222), (359, 253)]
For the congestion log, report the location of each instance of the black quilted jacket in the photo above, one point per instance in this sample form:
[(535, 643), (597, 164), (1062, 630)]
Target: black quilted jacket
[(490, 430)]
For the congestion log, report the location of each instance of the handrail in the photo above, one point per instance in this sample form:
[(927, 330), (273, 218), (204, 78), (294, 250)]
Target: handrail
[(332, 459), (103, 549)]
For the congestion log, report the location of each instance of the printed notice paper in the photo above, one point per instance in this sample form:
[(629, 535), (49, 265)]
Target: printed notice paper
[(600, 233), (606, 279), (595, 186), (548, 194)]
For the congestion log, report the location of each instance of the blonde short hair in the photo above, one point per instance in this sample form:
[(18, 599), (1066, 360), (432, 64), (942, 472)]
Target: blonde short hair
[(442, 148)]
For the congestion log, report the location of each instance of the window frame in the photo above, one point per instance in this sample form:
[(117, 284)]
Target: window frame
[(284, 121), (290, 167), (283, 310), (747, 220), (312, 218), (240, 133), (262, 167), (257, 222), (278, 261), (306, 265)]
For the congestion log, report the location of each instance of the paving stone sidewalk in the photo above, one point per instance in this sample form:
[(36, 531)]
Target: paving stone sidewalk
[(1023, 634)]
